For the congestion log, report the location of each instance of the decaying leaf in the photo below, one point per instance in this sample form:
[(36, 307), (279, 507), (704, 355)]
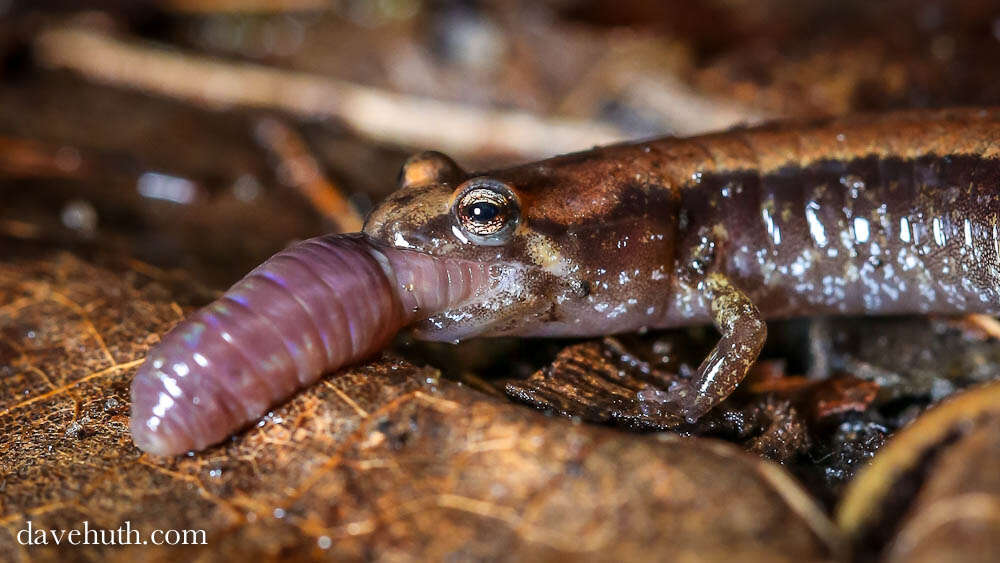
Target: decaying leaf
[(933, 492), (625, 381), (601, 381), (383, 460), (956, 516)]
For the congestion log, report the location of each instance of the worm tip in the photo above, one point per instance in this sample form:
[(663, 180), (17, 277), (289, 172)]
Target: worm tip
[(147, 428)]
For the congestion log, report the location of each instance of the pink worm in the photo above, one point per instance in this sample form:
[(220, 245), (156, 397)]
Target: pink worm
[(319, 305)]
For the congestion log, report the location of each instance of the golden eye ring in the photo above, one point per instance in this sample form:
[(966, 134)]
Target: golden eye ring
[(486, 211)]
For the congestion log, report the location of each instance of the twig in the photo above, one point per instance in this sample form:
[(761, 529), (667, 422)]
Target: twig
[(478, 383), (377, 114), (302, 172)]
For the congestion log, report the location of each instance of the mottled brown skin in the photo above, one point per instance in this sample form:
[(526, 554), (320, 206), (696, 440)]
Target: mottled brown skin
[(861, 215)]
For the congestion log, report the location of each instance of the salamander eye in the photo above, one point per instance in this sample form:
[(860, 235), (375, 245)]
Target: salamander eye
[(487, 211)]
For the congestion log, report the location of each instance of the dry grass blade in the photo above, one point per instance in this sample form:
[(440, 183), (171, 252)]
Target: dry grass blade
[(300, 170)]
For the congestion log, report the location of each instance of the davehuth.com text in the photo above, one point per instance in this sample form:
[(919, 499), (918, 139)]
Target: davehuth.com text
[(122, 535)]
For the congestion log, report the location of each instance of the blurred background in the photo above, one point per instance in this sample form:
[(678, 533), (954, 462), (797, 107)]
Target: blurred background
[(204, 135)]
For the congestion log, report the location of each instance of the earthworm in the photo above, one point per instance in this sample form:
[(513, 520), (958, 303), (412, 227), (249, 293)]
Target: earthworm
[(318, 305)]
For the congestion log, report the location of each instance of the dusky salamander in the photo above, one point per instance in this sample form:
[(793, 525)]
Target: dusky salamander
[(896, 213)]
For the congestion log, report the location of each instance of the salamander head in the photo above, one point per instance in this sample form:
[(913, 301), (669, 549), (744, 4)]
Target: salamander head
[(548, 276)]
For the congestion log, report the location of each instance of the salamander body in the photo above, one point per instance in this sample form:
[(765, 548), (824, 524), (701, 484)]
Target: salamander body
[(860, 215)]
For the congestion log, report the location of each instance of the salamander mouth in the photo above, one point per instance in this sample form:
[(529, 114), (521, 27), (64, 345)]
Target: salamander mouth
[(500, 298), (428, 286)]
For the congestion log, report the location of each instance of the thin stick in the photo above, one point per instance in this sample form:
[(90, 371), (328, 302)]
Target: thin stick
[(377, 114), (301, 171)]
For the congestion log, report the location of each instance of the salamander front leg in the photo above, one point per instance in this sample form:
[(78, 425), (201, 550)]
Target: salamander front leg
[(743, 335)]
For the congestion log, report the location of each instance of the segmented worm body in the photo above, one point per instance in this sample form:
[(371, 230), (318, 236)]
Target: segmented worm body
[(321, 304), (861, 215)]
